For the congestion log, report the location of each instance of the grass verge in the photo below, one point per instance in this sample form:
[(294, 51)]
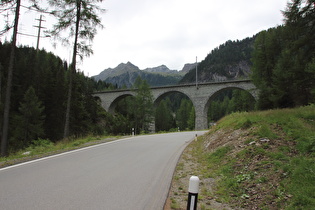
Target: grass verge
[(43, 147), (258, 160)]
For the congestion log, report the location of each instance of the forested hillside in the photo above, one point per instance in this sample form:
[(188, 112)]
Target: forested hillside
[(284, 59), (231, 60), (39, 95)]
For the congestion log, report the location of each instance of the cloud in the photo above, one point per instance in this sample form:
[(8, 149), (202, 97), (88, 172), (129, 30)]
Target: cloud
[(149, 33)]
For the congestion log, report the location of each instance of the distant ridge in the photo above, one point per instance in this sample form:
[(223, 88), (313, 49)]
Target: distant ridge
[(125, 74), (120, 69), (161, 69)]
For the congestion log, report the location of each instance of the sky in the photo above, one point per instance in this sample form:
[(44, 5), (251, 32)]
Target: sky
[(150, 33)]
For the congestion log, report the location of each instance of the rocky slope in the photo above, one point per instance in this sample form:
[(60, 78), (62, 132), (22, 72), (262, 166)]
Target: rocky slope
[(125, 74), (229, 61)]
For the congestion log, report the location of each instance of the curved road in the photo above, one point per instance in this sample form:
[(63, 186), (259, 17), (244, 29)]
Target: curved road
[(133, 174)]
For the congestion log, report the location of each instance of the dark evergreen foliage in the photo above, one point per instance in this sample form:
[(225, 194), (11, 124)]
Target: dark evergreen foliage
[(47, 74), (283, 60), (164, 119), (135, 112), (229, 101), (28, 122), (183, 115)]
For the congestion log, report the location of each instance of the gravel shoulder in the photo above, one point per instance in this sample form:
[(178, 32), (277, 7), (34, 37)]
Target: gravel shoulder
[(189, 165)]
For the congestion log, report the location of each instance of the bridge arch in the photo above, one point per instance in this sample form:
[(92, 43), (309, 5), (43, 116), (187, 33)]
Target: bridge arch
[(200, 96), (161, 96), (113, 105), (216, 94)]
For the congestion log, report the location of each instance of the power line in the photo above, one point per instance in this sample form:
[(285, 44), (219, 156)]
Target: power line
[(37, 9)]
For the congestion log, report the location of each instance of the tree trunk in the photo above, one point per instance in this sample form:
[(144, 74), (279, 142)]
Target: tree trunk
[(4, 139), (72, 70)]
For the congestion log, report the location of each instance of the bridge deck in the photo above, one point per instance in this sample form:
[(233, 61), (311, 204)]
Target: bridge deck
[(180, 85)]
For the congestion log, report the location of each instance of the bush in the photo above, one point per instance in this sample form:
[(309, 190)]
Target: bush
[(42, 143), (40, 146)]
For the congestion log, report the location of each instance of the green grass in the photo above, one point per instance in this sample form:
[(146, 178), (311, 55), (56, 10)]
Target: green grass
[(217, 156), (43, 147), (301, 182), (279, 173)]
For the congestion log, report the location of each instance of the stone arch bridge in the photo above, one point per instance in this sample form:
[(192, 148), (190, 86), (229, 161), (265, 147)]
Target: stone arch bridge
[(200, 95)]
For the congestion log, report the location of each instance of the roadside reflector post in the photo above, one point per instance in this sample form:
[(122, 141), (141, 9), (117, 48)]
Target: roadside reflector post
[(196, 137), (133, 131), (193, 191)]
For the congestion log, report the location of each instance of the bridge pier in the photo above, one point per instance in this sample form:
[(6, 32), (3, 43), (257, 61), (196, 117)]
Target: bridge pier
[(152, 127), (199, 102), (201, 121)]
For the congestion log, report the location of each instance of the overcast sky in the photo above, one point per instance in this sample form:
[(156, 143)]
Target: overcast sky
[(149, 33)]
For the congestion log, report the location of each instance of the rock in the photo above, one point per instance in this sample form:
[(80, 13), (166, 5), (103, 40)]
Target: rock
[(264, 140)]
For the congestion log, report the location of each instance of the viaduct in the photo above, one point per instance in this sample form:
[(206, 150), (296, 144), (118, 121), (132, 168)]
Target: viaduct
[(200, 95)]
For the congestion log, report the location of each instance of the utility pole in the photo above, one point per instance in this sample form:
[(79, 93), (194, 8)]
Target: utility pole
[(39, 29)]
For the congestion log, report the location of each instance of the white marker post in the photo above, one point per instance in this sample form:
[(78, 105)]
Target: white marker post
[(193, 193), (133, 132)]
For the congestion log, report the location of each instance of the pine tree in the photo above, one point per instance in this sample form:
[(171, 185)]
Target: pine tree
[(142, 107), (282, 58), (299, 51), (191, 119), (80, 18), (163, 117), (29, 121), (268, 47), (184, 114)]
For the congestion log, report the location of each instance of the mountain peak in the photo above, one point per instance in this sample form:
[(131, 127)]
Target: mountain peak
[(160, 69), (127, 67), (119, 70)]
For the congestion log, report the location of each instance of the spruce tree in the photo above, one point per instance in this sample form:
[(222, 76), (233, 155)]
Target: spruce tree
[(163, 117), (142, 107), (283, 57), (29, 121), (80, 19), (183, 114)]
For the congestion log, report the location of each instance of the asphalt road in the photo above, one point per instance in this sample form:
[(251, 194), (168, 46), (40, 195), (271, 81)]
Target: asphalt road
[(133, 174)]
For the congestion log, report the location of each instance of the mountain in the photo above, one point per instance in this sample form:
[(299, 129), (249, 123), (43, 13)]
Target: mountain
[(231, 60), (125, 74), (119, 70), (153, 79), (187, 67), (161, 70)]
